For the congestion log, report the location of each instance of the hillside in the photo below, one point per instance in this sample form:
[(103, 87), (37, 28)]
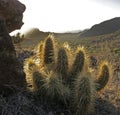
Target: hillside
[(95, 45), (34, 35), (106, 27), (33, 32), (102, 47)]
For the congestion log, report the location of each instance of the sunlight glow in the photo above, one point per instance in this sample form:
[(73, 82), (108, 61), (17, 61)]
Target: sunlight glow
[(65, 15)]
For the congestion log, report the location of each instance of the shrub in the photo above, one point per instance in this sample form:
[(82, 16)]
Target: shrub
[(17, 38)]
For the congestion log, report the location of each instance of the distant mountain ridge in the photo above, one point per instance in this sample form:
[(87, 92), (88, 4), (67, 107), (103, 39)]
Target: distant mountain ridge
[(103, 28), (33, 32), (106, 27), (33, 36)]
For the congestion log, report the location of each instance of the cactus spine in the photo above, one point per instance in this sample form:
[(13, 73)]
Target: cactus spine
[(40, 50), (38, 80), (40, 47)]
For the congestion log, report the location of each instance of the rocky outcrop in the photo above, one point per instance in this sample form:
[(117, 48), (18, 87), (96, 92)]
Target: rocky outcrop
[(5, 40), (12, 12), (11, 72)]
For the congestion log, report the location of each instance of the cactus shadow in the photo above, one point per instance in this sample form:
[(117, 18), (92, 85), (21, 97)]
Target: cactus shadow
[(104, 107)]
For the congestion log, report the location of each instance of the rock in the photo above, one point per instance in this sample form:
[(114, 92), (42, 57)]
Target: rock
[(50, 113), (12, 12), (62, 114), (11, 72), (5, 39)]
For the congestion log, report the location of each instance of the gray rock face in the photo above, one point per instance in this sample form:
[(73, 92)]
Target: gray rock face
[(12, 12)]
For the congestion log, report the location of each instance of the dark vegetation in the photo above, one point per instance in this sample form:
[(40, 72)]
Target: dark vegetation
[(17, 38)]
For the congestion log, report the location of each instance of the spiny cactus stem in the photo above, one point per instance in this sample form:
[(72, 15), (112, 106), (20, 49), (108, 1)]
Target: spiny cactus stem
[(78, 65), (62, 63), (48, 51), (103, 77)]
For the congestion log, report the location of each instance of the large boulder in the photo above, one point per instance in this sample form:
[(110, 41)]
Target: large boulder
[(12, 12), (11, 71)]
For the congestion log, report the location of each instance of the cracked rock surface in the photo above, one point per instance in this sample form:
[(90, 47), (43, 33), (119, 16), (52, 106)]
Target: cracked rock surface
[(12, 12)]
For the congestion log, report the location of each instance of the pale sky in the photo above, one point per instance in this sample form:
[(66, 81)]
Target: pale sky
[(67, 15)]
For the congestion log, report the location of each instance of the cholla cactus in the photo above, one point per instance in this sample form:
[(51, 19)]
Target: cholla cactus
[(103, 76), (62, 69), (84, 94), (62, 63), (54, 88), (38, 80), (48, 50), (78, 63)]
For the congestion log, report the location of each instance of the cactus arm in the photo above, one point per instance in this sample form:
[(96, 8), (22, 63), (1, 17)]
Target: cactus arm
[(84, 92), (103, 76)]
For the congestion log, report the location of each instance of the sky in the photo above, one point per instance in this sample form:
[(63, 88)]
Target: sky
[(67, 15)]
